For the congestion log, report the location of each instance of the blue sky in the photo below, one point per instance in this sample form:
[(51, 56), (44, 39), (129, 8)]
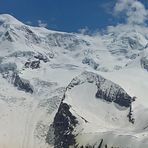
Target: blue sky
[(64, 15)]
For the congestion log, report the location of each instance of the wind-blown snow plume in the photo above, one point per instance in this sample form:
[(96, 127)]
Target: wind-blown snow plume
[(42, 24), (134, 10)]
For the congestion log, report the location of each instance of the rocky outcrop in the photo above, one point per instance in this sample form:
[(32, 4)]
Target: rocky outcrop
[(35, 61), (8, 37), (114, 95), (107, 90), (9, 72), (32, 64), (144, 63), (65, 121), (90, 62), (64, 124), (22, 84), (41, 57)]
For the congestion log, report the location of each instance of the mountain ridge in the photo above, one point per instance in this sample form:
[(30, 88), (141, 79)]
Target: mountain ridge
[(96, 84)]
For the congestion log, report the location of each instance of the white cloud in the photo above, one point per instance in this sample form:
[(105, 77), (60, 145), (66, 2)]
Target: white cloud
[(42, 24), (84, 30), (134, 10)]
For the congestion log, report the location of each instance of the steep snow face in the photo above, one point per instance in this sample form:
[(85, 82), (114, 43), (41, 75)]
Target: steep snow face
[(36, 67), (126, 43), (85, 118), (22, 41), (93, 107)]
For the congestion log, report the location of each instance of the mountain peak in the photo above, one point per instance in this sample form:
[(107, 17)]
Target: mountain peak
[(8, 19)]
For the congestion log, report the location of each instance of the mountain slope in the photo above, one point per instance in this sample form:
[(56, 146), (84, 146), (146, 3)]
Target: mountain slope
[(95, 109), (90, 82)]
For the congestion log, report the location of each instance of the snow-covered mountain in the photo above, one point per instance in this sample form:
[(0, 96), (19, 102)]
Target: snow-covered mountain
[(66, 90)]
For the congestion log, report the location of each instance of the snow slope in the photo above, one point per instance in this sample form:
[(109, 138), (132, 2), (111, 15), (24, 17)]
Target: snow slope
[(99, 118)]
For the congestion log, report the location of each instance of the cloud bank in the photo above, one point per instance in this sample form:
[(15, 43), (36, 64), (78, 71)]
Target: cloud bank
[(134, 11)]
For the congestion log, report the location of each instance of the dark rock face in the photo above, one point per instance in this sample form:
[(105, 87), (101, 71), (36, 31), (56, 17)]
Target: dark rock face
[(64, 123), (90, 62), (32, 64), (35, 61), (8, 36), (9, 72), (41, 58), (22, 84), (130, 114), (144, 63), (117, 96), (133, 43)]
